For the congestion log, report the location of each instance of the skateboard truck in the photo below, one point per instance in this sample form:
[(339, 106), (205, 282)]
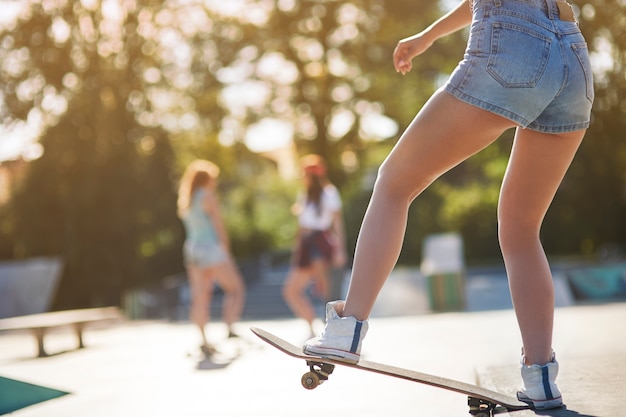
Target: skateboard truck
[(318, 373), (480, 408)]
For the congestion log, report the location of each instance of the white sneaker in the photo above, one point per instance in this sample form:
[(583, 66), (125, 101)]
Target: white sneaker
[(540, 390), (342, 337)]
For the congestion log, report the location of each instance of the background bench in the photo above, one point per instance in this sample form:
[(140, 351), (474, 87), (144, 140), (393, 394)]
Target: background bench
[(38, 324)]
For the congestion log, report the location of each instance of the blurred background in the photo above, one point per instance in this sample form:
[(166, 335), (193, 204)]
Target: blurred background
[(104, 102)]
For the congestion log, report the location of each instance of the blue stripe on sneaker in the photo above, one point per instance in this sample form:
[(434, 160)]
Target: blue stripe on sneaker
[(546, 382), (356, 336)]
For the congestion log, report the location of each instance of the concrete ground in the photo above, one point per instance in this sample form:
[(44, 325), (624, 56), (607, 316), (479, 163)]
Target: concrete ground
[(151, 368)]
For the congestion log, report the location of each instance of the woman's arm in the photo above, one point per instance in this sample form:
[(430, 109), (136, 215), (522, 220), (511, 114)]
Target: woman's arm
[(409, 48)]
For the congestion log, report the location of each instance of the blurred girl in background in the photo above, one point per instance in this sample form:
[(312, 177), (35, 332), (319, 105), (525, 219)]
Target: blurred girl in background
[(206, 251), (320, 241)]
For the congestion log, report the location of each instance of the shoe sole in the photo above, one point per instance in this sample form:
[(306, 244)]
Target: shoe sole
[(335, 354), (541, 404)]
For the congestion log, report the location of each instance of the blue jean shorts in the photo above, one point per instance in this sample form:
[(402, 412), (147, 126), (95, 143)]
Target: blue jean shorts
[(526, 60), (203, 254)]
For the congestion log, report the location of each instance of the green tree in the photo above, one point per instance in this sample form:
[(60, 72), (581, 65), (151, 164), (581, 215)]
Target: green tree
[(314, 57), (100, 195)]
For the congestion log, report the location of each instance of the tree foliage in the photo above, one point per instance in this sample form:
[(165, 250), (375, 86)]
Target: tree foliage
[(100, 196)]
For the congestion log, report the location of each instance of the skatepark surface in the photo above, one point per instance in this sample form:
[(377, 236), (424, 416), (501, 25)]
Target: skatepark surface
[(152, 368)]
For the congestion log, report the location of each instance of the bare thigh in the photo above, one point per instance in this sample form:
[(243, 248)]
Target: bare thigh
[(200, 280), (297, 280), (536, 168), (228, 278), (443, 134)]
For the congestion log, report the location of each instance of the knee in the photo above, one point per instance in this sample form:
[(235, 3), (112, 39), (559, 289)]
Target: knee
[(516, 234), (395, 183), (240, 290), (290, 290), (199, 306), (388, 181), (505, 238), (237, 284), (199, 310)]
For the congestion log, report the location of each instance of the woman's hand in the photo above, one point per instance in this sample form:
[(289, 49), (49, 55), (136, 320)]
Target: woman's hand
[(407, 49)]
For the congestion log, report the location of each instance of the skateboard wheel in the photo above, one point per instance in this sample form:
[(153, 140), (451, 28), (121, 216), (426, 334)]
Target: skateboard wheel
[(310, 380)]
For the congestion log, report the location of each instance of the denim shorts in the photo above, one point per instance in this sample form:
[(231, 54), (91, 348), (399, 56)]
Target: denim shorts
[(527, 63), (203, 254)]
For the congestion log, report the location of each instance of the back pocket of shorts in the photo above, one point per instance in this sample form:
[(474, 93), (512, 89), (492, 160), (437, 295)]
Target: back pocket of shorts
[(518, 55), (580, 49)]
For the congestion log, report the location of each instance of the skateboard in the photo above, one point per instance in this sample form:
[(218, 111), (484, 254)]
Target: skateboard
[(482, 402)]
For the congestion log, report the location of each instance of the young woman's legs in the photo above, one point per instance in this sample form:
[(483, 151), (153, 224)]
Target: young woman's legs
[(201, 288), (444, 133), (294, 294), (294, 289), (537, 165), (319, 276), (231, 282)]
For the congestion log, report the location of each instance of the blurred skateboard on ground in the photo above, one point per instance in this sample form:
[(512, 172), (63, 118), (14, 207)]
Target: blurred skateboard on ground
[(482, 402)]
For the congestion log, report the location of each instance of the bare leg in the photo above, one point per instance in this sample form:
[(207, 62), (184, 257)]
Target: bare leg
[(319, 274), (201, 287), (444, 133), (230, 280), (536, 168), (294, 294)]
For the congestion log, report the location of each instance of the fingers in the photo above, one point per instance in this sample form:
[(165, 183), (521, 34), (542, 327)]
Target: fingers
[(404, 66), (403, 55), (407, 49), (402, 60)]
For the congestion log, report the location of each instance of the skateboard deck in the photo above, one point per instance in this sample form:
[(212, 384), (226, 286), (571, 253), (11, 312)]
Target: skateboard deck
[(482, 402)]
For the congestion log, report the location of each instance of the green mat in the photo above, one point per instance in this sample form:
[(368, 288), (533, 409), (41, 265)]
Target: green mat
[(17, 394)]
